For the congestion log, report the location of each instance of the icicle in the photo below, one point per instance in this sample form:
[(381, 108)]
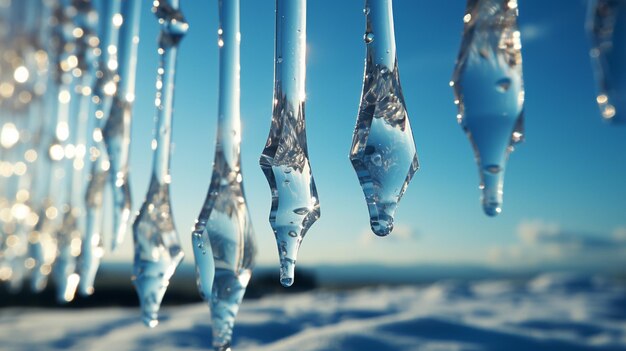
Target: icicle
[(223, 229), (489, 91), (116, 131), (49, 152), (285, 161), (104, 90), (64, 275), (20, 95), (607, 28), (157, 246), (383, 152), (70, 235)]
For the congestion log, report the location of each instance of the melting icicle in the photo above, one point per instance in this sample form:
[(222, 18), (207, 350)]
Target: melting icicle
[(223, 238), (383, 152), (285, 161), (489, 91), (93, 243), (157, 246), (116, 131), (607, 27)]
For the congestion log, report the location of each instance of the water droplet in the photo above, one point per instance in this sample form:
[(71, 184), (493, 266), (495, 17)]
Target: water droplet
[(366, 11), (503, 85), (383, 225), (368, 37), (279, 59), (301, 210), (377, 159), (293, 235), (492, 169)]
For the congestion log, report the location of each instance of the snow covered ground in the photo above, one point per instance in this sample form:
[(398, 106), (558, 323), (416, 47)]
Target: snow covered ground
[(551, 312)]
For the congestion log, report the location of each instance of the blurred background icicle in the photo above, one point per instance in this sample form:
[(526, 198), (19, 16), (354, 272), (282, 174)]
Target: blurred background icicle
[(157, 246), (285, 160), (21, 69), (73, 128), (104, 89), (489, 91), (383, 151), (223, 237), (116, 130), (607, 28)]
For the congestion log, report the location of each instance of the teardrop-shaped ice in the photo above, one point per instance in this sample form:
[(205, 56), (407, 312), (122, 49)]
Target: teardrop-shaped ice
[(285, 160), (116, 131), (607, 29), (157, 250), (489, 91), (383, 152), (223, 238), (157, 246)]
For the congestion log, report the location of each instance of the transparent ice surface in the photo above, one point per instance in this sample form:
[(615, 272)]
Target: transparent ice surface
[(223, 238), (607, 29), (383, 151), (157, 246), (489, 91), (116, 131), (285, 161)]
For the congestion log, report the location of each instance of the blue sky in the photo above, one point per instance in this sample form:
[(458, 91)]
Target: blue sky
[(565, 187)]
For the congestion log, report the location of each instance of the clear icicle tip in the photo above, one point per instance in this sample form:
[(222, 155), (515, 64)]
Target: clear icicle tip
[(287, 269)]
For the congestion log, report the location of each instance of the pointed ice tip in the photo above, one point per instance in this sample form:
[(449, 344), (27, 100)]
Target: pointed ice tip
[(150, 319), (383, 225), (287, 269)]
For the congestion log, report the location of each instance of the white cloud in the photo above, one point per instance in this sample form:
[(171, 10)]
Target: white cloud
[(544, 242), (400, 233), (530, 232), (620, 234)]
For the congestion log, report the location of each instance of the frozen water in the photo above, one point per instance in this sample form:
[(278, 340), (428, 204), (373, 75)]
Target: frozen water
[(116, 131), (285, 161), (223, 238), (489, 91), (607, 27), (383, 152), (157, 246)]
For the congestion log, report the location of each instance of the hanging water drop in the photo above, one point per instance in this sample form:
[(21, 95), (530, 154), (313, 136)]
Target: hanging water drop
[(368, 37), (489, 92), (383, 151), (286, 146)]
